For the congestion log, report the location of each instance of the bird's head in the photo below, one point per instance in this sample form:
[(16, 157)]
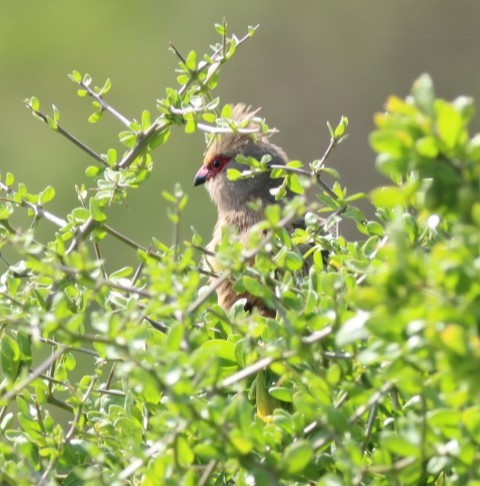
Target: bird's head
[(221, 155)]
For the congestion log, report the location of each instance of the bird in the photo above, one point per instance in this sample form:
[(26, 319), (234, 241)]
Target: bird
[(232, 197)]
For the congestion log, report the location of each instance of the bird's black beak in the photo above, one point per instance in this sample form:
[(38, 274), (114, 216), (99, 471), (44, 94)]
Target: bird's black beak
[(201, 176)]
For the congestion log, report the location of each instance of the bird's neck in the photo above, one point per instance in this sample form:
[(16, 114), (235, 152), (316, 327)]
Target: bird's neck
[(242, 219)]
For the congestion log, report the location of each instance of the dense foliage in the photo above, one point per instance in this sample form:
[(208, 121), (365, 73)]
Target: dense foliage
[(368, 373)]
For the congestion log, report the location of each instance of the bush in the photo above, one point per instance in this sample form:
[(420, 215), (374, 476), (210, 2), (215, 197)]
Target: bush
[(368, 373)]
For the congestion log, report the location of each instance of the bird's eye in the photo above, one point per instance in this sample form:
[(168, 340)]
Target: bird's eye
[(217, 163)]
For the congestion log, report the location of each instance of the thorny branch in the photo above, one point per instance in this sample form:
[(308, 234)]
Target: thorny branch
[(105, 106), (58, 128)]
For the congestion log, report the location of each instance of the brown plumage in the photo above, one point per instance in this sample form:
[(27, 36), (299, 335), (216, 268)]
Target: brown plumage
[(232, 197)]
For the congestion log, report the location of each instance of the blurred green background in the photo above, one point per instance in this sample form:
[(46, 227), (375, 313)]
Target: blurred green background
[(311, 61)]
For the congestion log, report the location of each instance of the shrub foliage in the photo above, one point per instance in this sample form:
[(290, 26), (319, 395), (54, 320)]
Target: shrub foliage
[(368, 374)]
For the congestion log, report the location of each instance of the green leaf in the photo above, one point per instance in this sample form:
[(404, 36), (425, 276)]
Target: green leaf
[(375, 229), (96, 210), (221, 29), (243, 444), (297, 456), (281, 393), (424, 94), (234, 174), (388, 197), (354, 213), (293, 183), (183, 79), (76, 77), (128, 138), (273, 214), (9, 357), (47, 195), (353, 330), (341, 128), (123, 272), (106, 87), (87, 79), (449, 123), (427, 147), (471, 419), (185, 454), (160, 138), (227, 111), (56, 114), (221, 348), (128, 429), (334, 374), (169, 197), (401, 446), (191, 125), (9, 179), (455, 338), (93, 171), (111, 157), (6, 210), (391, 142), (96, 116), (191, 61), (292, 261), (33, 103), (252, 286)]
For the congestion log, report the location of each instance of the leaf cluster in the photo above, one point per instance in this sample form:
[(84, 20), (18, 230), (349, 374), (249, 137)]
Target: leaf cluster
[(367, 374)]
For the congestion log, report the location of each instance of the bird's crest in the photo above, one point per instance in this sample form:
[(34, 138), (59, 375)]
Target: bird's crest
[(229, 140)]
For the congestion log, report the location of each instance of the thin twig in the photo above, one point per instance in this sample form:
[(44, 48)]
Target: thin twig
[(202, 249), (391, 468), (68, 348), (267, 361), (311, 174), (332, 144), (250, 370), (99, 282), (158, 325), (207, 473), (59, 404), (98, 256), (214, 129), (36, 208), (58, 128), (111, 375), (179, 54), (129, 242), (81, 235), (106, 106), (39, 370)]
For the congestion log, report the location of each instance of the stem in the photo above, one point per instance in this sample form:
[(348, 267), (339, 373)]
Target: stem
[(58, 128), (265, 362), (36, 208), (82, 234), (106, 106), (39, 370), (129, 242), (204, 479)]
